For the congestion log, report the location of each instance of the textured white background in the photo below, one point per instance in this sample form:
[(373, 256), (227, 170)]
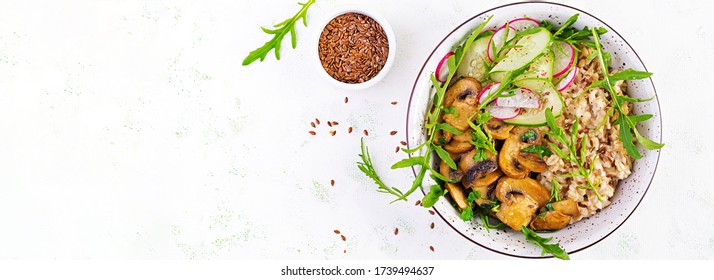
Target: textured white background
[(129, 129)]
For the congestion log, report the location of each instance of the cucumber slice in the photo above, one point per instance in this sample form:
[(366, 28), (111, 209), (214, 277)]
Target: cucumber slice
[(473, 63), (550, 98), (528, 49), (542, 68)]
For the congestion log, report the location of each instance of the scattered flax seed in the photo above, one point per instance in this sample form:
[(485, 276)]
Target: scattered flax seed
[(345, 251), (343, 238), (312, 132), (394, 102), (337, 231), (417, 203), (396, 150), (349, 130), (335, 123), (432, 225), (431, 212), (346, 99), (332, 132), (329, 123), (312, 124), (431, 248), (366, 133), (403, 143), (394, 132), (317, 121), (332, 182), (396, 231)]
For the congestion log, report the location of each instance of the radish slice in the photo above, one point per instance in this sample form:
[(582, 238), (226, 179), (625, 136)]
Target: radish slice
[(441, 75), (523, 98), (564, 58), (498, 40), (523, 23), (568, 80), (489, 89), (503, 113)]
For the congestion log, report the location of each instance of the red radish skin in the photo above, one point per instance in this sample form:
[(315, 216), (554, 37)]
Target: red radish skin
[(568, 80), (523, 23), (563, 62), (488, 89), (442, 64), (500, 33)]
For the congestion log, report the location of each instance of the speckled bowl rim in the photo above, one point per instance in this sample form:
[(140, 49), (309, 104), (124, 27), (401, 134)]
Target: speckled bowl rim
[(421, 70)]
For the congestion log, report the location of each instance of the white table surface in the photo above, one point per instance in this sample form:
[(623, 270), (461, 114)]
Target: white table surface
[(129, 130)]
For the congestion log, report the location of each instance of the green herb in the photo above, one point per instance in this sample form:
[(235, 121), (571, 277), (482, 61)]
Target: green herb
[(540, 151), (566, 33), (553, 249), (556, 134), (435, 192), (367, 167), (281, 29), (555, 190), (529, 135), (627, 125)]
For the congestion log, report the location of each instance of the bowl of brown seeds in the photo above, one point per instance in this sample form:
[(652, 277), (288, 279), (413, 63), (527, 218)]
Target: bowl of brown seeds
[(355, 47)]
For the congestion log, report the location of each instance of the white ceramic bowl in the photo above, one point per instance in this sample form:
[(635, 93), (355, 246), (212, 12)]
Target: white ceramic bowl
[(630, 191), (387, 30)]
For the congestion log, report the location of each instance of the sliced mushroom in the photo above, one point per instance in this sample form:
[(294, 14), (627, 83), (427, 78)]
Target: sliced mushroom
[(463, 98), (507, 161), (457, 193), (520, 199), (498, 129), (460, 143), (528, 137), (442, 137), (551, 220), (445, 170), (466, 85), (474, 170), (485, 186), (568, 207)]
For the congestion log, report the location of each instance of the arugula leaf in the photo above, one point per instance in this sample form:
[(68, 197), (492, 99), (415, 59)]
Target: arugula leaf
[(630, 74), (444, 155), (626, 138), (467, 214), (367, 167), (572, 19), (447, 127), (281, 29), (623, 98), (647, 143), (407, 162), (553, 249), (640, 118), (435, 192), (540, 151), (554, 190)]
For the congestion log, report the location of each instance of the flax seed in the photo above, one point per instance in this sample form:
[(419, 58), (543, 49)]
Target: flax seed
[(396, 231), (396, 150), (417, 203), (337, 231), (431, 212), (346, 99), (394, 102), (431, 248), (312, 124), (332, 183), (366, 133), (332, 132), (403, 143), (343, 238), (317, 121), (432, 225), (349, 130), (312, 132), (394, 132)]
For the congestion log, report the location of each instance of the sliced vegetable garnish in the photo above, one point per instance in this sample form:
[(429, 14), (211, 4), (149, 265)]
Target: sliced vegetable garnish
[(503, 113), (498, 40), (522, 98), (526, 51), (488, 90), (523, 23), (440, 72), (564, 58), (568, 80)]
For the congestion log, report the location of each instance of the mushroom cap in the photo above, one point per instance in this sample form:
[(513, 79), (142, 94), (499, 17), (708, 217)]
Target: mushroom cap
[(520, 199), (498, 129), (466, 85), (551, 220), (474, 170)]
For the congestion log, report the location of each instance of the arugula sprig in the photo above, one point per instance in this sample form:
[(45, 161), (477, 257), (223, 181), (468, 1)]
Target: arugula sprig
[(281, 29), (578, 157), (367, 167), (627, 123), (567, 33), (553, 249)]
